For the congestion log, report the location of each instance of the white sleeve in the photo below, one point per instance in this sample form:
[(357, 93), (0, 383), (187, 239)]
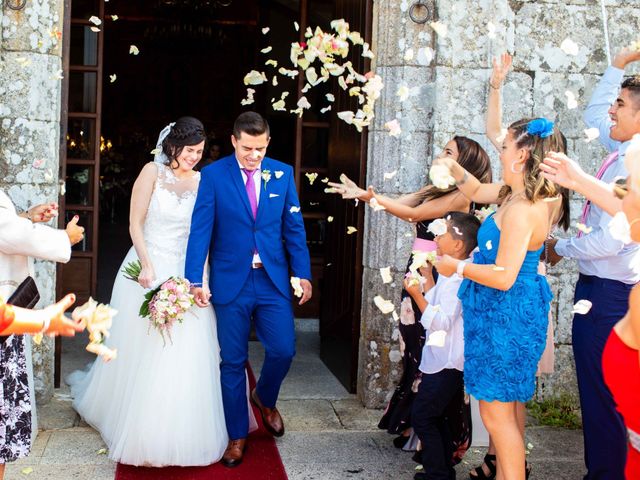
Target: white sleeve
[(18, 236)]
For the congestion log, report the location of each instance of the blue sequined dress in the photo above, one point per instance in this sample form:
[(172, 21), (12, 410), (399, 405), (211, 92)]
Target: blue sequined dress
[(504, 331)]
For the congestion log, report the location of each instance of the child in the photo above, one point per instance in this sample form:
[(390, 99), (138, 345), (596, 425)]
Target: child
[(442, 358)]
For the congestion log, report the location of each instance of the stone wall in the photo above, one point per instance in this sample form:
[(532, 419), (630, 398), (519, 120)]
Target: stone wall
[(30, 86), (448, 96)]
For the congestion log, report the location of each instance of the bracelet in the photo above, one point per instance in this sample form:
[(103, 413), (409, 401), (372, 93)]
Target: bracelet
[(460, 268), (464, 178), (493, 86)]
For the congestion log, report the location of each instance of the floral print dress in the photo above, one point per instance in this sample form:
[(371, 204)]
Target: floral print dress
[(15, 402)]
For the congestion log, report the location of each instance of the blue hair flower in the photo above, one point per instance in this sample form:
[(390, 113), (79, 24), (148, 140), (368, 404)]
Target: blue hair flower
[(541, 127)]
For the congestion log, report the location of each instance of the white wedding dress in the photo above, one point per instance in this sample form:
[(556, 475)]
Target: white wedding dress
[(155, 404)]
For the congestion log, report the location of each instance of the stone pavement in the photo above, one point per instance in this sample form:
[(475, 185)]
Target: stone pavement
[(330, 436)]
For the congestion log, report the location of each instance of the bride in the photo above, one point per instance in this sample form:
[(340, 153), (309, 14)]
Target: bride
[(158, 405)]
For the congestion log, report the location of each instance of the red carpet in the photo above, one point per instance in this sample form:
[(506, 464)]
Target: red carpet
[(261, 462)]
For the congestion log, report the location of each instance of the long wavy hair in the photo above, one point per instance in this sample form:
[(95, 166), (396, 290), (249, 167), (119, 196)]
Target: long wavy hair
[(473, 158), (536, 186)]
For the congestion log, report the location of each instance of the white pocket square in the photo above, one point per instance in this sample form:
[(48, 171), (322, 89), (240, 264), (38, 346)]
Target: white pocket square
[(272, 195)]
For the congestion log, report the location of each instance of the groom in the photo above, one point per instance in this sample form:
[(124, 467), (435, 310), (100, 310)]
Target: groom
[(247, 219)]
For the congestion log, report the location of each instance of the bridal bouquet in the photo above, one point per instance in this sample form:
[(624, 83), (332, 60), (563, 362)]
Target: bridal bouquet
[(164, 305)]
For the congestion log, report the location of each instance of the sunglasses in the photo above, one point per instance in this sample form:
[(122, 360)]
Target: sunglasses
[(620, 189)]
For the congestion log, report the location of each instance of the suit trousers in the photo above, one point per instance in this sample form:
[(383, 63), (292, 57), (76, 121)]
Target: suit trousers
[(435, 393), (259, 301), (605, 445)]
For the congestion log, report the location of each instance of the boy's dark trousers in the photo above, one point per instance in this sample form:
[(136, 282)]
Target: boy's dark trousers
[(435, 392)]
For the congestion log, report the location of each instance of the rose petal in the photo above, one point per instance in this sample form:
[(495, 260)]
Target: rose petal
[(133, 50), (351, 230), (591, 134)]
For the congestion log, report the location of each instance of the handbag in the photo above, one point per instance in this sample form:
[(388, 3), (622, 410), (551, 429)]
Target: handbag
[(25, 296)]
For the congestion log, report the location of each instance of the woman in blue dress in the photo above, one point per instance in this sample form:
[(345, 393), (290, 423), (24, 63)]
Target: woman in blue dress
[(505, 301)]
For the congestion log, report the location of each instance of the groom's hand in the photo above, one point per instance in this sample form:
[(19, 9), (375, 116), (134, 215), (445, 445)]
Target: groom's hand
[(201, 296), (306, 291)]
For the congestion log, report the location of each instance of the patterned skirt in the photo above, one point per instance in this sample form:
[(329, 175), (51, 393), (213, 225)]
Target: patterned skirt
[(15, 402)]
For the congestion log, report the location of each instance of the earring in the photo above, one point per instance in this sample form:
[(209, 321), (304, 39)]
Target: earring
[(513, 170)]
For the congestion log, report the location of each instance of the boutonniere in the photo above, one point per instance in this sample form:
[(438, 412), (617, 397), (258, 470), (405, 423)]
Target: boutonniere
[(266, 176)]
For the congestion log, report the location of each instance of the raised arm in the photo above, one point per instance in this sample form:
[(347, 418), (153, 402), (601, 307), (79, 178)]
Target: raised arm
[(431, 209), (567, 173), (470, 186), (408, 207), (140, 198), (494, 107)]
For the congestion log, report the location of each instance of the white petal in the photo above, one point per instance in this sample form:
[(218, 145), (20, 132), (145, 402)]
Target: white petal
[(385, 306), (297, 288), (351, 230), (619, 228), (436, 339), (273, 195), (440, 28), (390, 175), (582, 307), (385, 272), (583, 228), (112, 78), (329, 219), (394, 127), (591, 134), (266, 49), (572, 102), (294, 209), (488, 245), (441, 176), (569, 47), (133, 50), (265, 30), (278, 173), (95, 20), (438, 227)]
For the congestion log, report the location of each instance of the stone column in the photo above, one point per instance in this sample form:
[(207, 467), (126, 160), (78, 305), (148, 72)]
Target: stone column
[(30, 87), (448, 97)]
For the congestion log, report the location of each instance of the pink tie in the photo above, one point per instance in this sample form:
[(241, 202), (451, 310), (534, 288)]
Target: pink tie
[(250, 186), (603, 168)]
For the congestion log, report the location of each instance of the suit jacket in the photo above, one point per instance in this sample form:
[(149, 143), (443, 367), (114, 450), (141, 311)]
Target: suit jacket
[(223, 227), (21, 239)]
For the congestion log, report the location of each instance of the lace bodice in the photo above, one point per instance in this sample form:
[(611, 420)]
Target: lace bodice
[(168, 220)]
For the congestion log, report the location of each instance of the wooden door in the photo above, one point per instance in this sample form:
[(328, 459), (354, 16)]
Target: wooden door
[(342, 279), (80, 146)]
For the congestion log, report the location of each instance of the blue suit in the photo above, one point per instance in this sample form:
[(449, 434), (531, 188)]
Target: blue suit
[(223, 227)]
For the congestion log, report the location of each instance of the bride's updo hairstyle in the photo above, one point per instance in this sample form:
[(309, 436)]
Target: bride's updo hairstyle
[(186, 131)]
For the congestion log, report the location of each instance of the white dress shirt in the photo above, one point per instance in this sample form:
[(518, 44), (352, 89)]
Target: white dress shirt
[(443, 312), (257, 178), (599, 254)]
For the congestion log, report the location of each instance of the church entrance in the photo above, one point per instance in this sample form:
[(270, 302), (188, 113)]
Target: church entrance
[(133, 67)]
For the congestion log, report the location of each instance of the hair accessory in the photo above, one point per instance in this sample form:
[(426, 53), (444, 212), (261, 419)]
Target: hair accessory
[(540, 127), (158, 154)]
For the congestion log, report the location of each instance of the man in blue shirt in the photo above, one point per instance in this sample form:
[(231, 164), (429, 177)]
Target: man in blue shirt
[(608, 270)]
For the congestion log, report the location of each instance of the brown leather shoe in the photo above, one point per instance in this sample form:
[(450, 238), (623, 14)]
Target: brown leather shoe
[(232, 456), (270, 416)]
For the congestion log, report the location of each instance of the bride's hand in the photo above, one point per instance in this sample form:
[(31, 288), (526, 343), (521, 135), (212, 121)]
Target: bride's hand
[(147, 276)]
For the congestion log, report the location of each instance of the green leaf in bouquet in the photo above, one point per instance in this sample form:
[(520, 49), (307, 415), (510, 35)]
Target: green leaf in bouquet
[(132, 270), (144, 308)]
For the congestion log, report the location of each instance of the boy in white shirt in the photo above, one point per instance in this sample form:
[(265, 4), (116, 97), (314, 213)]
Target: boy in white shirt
[(443, 353)]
